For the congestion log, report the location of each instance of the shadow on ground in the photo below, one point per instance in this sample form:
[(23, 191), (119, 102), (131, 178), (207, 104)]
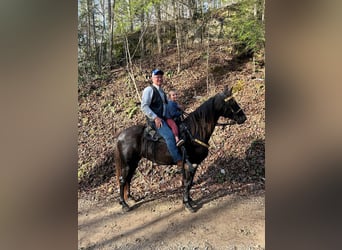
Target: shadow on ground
[(223, 177)]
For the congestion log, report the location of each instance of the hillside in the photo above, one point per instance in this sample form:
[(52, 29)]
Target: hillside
[(236, 160)]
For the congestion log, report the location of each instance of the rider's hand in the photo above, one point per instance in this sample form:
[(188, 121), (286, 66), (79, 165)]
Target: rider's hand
[(158, 122)]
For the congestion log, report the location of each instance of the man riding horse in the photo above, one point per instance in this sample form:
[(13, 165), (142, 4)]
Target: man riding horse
[(199, 125), (153, 105)]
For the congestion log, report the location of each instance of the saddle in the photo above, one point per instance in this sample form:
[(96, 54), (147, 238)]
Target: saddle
[(151, 138), (150, 134)]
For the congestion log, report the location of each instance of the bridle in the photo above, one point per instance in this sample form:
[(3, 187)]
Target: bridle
[(232, 97), (231, 122)]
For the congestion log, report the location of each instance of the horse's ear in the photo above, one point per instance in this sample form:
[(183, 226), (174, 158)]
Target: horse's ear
[(227, 92)]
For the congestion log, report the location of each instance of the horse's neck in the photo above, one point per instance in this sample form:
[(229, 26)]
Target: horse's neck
[(203, 128), (210, 127)]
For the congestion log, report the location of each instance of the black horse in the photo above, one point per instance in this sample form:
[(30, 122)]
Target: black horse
[(198, 126)]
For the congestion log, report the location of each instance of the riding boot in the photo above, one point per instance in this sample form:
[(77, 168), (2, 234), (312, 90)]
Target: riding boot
[(180, 164)]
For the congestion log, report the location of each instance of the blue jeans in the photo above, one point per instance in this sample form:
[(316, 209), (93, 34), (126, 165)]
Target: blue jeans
[(169, 138)]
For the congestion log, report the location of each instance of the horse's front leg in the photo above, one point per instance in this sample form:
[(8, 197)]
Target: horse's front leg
[(188, 177)]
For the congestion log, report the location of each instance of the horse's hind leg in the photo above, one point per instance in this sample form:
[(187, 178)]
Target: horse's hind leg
[(123, 189), (121, 175), (125, 183), (127, 194)]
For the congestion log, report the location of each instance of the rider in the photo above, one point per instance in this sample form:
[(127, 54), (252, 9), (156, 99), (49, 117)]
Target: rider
[(154, 105), (174, 112)]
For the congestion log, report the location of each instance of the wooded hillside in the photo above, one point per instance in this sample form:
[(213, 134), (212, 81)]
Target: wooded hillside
[(109, 102), (112, 33)]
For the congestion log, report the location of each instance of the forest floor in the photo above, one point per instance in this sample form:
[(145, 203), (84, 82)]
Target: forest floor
[(229, 185)]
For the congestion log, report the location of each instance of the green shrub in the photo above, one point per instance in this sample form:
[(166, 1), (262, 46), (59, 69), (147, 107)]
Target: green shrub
[(248, 31)]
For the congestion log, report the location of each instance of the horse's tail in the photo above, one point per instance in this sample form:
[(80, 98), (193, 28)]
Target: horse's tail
[(120, 175), (118, 163)]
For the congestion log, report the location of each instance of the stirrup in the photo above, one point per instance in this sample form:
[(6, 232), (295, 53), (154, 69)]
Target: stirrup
[(180, 143)]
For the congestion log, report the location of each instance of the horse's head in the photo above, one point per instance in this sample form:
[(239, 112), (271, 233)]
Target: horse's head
[(230, 108)]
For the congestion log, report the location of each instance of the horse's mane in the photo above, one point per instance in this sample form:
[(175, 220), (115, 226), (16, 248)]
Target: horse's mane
[(202, 120)]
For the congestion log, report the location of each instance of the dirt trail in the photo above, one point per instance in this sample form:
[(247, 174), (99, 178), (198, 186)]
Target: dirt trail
[(226, 222)]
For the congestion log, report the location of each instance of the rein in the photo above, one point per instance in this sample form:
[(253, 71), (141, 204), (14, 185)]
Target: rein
[(225, 124), (201, 143)]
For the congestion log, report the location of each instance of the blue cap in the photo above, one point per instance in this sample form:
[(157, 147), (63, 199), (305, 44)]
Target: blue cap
[(157, 72)]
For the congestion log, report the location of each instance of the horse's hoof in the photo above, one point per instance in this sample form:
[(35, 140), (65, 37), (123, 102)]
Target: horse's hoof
[(125, 207), (189, 207)]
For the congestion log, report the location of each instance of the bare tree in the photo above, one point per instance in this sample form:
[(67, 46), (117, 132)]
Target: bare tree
[(89, 49), (103, 40), (131, 14), (143, 28), (178, 36), (111, 30), (159, 43)]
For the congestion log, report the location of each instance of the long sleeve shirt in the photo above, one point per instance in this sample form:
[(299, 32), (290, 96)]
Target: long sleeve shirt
[(147, 99)]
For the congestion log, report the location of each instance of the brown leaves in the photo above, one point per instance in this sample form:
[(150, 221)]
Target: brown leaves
[(236, 161)]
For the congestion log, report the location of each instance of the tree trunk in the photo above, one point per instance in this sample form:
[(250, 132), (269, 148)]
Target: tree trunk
[(102, 45), (142, 46), (89, 50), (110, 33), (159, 43), (130, 13), (95, 45), (178, 37), (112, 57)]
